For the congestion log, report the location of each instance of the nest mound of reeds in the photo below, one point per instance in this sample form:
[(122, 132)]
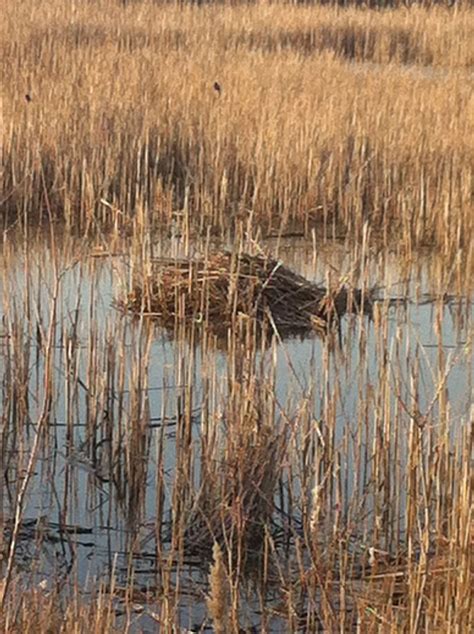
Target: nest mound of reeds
[(223, 286)]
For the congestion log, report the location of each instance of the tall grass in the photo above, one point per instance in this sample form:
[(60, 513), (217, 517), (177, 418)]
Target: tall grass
[(234, 488), (297, 509), (326, 118), (44, 609)]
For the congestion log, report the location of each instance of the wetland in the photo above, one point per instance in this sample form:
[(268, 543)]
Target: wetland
[(236, 319)]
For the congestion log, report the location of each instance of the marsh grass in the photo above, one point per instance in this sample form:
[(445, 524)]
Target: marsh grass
[(325, 118), (307, 523), (226, 484), (42, 609)]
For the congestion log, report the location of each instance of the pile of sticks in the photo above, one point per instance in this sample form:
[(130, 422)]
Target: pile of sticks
[(223, 286)]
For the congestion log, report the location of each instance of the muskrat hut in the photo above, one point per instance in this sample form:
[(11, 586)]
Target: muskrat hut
[(224, 285)]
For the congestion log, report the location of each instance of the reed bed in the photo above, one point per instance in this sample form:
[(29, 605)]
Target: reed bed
[(281, 485), (250, 487), (324, 119), (43, 609)]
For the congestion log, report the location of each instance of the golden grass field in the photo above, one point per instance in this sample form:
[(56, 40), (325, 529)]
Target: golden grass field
[(125, 123), (327, 118)]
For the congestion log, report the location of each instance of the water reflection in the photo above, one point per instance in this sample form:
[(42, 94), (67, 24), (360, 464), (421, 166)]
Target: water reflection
[(128, 400)]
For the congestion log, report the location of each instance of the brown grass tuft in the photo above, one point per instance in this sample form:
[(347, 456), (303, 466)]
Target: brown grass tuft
[(217, 601)]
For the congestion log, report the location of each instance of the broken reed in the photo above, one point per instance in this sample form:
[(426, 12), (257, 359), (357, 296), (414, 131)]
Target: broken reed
[(346, 516), (326, 118)]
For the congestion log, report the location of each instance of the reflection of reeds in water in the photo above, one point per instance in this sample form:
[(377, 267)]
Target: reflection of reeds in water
[(251, 488)]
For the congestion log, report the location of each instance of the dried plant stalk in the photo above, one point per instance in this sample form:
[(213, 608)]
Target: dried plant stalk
[(218, 599)]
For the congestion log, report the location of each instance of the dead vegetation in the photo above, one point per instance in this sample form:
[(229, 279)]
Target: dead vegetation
[(217, 289), (326, 119), (47, 610), (275, 486), (268, 484)]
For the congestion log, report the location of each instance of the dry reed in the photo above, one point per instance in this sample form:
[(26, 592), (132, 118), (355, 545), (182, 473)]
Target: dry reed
[(325, 119), (217, 601), (326, 492), (328, 515)]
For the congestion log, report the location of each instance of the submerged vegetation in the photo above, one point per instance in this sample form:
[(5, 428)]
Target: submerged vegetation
[(154, 478)]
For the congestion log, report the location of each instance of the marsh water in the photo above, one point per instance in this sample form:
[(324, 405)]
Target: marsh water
[(111, 372)]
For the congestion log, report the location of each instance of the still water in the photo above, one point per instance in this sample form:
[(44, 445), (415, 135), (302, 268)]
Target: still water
[(77, 524)]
